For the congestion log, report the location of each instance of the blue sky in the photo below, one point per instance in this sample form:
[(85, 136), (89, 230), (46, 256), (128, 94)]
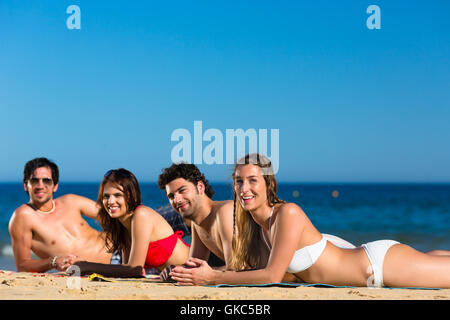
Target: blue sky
[(351, 104)]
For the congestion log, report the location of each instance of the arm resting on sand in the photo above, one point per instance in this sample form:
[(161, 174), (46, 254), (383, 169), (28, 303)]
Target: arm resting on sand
[(107, 270)]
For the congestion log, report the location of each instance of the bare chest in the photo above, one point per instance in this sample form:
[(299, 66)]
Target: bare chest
[(56, 232), (211, 239)]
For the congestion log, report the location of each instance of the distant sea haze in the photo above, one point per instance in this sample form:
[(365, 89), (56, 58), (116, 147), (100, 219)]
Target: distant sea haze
[(414, 214)]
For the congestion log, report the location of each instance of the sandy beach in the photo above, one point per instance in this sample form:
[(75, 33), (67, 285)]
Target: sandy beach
[(44, 286)]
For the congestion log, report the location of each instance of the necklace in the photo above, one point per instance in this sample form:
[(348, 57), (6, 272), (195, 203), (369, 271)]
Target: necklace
[(46, 212)]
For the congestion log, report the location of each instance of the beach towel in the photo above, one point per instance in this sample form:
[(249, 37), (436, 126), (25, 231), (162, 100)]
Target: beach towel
[(295, 285)]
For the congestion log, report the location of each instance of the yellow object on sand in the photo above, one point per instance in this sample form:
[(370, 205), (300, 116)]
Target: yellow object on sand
[(99, 277)]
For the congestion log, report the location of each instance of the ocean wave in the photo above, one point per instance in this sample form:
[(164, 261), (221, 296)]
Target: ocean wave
[(6, 251)]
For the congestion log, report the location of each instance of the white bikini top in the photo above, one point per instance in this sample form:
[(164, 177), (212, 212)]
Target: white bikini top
[(303, 258)]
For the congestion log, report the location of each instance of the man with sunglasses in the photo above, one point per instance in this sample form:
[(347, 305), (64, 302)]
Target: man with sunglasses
[(54, 229)]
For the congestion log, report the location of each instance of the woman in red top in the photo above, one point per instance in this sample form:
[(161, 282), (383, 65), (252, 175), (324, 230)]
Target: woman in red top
[(140, 234)]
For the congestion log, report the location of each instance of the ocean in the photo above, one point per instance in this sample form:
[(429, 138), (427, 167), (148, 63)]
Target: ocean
[(414, 214)]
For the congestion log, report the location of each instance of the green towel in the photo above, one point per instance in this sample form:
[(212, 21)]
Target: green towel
[(295, 284)]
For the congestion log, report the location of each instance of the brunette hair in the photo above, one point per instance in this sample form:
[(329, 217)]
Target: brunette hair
[(187, 171), (248, 249), (117, 236), (36, 163)]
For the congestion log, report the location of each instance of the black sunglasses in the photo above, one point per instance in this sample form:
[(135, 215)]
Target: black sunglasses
[(47, 181), (118, 172)]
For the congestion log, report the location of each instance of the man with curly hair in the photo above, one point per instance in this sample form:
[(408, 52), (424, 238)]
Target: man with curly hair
[(190, 194)]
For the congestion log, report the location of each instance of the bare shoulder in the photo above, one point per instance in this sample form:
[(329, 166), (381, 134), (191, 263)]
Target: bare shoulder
[(225, 207), (24, 209), (23, 212), (21, 216), (289, 211), (143, 213), (224, 213), (145, 220), (71, 198), (75, 201)]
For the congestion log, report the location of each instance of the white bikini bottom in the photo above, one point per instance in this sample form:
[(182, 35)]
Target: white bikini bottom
[(376, 251)]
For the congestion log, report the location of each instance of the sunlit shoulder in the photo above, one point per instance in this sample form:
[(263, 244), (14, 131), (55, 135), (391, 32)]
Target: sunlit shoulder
[(143, 213), (290, 211)]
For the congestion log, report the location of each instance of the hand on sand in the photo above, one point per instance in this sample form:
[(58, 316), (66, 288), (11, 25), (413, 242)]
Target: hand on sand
[(195, 272), (63, 262)]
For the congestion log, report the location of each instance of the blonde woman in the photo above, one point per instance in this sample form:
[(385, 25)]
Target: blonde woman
[(274, 237)]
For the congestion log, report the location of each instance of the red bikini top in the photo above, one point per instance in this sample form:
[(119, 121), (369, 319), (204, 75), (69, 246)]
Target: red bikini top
[(159, 251)]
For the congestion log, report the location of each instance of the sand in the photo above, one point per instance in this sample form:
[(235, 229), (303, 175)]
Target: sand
[(45, 286)]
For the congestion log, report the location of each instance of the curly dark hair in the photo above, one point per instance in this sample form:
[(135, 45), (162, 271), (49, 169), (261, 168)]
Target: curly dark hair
[(187, 171)]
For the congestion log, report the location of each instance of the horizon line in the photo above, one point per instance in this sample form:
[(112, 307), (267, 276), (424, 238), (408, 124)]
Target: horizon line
[(279, 182)]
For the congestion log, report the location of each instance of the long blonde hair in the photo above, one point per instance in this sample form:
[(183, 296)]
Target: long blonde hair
[(249, 250)]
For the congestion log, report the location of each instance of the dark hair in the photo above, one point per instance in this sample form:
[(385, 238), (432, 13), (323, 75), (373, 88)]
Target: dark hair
[(117, 237), (36, 163), (187, 171)]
